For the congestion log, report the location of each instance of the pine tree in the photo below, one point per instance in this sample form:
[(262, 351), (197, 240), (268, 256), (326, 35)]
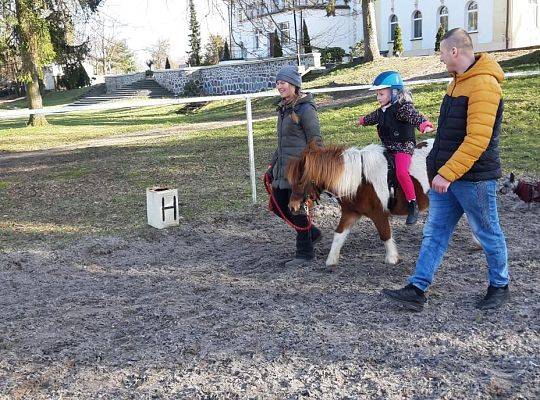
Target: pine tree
[(398, 42), (438, 38), (194, 37), (226, 52), (167, 63), (277, 51), (306, 40)]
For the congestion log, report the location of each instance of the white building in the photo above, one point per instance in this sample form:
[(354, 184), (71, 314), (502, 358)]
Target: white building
[(254, 23), (493, 24)]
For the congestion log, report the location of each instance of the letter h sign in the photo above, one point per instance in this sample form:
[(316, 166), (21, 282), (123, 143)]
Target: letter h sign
[(162, 207)]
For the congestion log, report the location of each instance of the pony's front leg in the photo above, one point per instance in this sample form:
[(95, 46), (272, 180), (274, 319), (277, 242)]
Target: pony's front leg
[(342, 231), (385, 233)]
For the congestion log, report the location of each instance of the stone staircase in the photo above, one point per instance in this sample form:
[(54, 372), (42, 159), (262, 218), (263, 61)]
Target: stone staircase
[(146, 88)]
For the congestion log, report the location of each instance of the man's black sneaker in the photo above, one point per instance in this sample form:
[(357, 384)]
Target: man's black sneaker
[(409, 296), (494, 298), (412, 208)]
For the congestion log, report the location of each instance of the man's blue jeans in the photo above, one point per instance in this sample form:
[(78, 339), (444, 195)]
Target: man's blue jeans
[(479, 202)]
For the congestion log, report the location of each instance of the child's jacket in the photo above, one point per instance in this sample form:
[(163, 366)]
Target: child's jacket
[(395, 126)]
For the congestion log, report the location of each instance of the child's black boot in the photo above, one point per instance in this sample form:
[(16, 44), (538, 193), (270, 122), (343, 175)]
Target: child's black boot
[(412, 207)]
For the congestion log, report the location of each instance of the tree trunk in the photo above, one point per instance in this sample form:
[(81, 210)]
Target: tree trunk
[(33, 96), (370, 31), (29, 63)]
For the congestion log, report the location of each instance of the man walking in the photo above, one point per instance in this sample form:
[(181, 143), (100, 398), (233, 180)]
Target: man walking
[(463, 167)]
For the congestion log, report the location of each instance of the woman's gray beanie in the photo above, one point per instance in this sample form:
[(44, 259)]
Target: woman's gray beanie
[(290, 74)]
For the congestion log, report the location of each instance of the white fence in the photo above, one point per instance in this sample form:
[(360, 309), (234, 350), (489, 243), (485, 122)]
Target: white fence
[(246, 97)]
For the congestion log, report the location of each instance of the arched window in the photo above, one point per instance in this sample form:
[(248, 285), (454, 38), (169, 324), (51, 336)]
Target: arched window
[(472, 17), (443, 17), (393, 24), (417, 25)]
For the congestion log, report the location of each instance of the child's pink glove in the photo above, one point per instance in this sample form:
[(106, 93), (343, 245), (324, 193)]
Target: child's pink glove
[(361, 121), (426, 127)]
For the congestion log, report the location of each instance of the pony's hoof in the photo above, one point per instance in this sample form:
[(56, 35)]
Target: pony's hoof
[(392, 260), (330, 268)]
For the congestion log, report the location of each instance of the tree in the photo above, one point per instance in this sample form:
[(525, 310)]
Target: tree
[(167, 64), (213, 50), (331, 8), (277, 51), (120, 58), (439, 37), (226, 52), (36, 52), (306, 41), (33, 23), (370, 31), (159, 51), (398, 42), (194, 37)]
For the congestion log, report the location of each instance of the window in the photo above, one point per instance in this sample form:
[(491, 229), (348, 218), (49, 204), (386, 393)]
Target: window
[(417, 25), (393, 24), (443, 18), (472, 17), (258, 34), (285, 33)]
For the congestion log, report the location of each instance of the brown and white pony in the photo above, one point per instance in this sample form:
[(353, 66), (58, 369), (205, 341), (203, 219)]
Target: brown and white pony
[(358, 178)]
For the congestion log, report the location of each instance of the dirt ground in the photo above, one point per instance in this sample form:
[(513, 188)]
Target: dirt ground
[(208, 311)]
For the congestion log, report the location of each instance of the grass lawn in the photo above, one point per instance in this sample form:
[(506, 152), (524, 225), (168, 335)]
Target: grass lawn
[(102, 190), (49, 99)]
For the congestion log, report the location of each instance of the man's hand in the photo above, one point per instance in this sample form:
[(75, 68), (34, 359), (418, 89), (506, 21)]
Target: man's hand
[(439, 184), (360, 121)]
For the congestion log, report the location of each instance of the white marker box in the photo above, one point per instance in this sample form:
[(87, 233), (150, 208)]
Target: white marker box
[(162, 207)]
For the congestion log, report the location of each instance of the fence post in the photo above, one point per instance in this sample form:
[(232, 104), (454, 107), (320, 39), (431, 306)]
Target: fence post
[(251, 151)]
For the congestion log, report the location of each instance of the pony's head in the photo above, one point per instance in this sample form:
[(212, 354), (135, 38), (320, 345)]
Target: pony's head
[(303, 188)]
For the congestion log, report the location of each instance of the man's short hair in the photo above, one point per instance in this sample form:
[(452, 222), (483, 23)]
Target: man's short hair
[(459, 38)]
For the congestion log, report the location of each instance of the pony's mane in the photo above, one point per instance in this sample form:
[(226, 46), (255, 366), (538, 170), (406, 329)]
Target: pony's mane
[(321, 165)]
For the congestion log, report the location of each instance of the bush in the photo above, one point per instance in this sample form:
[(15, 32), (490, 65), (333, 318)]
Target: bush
[(332, 54), (398, 42), (192, 89), (438, 38), (74, 77), (149, 73), (357, 50)]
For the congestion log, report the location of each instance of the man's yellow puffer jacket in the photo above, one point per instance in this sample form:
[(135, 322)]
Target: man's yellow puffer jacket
[(467, 141)]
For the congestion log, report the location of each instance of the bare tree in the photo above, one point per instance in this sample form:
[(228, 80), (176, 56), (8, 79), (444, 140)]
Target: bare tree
[(159, 52)]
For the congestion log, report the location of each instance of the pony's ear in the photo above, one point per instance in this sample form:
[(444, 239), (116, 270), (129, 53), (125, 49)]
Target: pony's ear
[(294, 170), (512, 177)]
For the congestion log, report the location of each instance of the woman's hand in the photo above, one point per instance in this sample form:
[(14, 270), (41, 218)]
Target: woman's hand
[(360, 121), (269, 173)]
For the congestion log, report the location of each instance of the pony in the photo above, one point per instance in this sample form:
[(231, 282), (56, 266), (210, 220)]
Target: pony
[(358, 179)]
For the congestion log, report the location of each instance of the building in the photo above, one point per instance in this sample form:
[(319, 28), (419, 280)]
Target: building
[(254, 24), (493, 24)]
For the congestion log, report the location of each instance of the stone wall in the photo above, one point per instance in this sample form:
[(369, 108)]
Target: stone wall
[(115, 82), (232, 77)]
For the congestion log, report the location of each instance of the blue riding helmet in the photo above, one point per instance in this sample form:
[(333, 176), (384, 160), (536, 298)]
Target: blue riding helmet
[(388, 79)]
